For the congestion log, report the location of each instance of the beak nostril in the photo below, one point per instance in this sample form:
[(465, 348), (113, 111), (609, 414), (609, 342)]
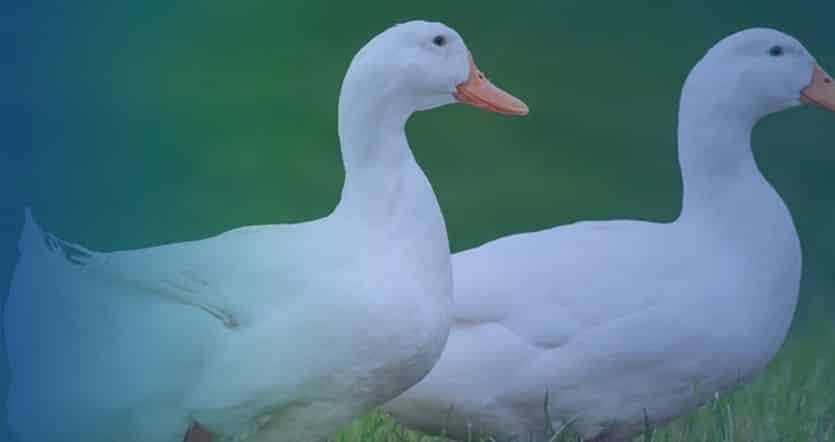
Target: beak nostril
[(827, 80)]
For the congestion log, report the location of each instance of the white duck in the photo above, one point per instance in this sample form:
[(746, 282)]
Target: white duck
[(612, 319), (264, 333)]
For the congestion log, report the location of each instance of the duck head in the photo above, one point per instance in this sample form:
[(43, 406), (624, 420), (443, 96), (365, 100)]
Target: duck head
[(423, 65), (760, 71)]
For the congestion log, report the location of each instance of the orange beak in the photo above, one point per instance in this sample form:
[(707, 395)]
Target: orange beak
[(821, 92), (479, 92)]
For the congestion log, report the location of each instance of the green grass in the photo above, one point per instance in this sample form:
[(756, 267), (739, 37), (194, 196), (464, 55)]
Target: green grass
[(793, 400)]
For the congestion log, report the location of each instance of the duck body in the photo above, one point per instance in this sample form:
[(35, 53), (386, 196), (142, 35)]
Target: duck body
[(606, 346), (380, 310), (614, 321)]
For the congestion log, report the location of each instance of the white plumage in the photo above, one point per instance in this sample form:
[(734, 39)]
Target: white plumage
[(614, 319), (264, 333)]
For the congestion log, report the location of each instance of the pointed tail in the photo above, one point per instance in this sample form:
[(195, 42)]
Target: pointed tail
[(34, 241), (32, 238)]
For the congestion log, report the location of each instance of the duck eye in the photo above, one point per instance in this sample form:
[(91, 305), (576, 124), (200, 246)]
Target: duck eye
[(775, 51), (439, 41)]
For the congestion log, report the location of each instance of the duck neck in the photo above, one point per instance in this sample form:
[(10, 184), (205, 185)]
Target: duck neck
[(714, 152), (375, 151)]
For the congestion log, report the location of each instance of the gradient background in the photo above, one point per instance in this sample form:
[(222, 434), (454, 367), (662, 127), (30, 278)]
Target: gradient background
[(130, 125)]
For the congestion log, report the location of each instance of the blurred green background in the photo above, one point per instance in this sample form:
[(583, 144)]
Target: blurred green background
[(157, 121)]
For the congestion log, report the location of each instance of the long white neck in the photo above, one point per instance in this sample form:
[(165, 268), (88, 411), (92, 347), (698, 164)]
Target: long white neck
[(375, 151), (714, 139), (386, 194)]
